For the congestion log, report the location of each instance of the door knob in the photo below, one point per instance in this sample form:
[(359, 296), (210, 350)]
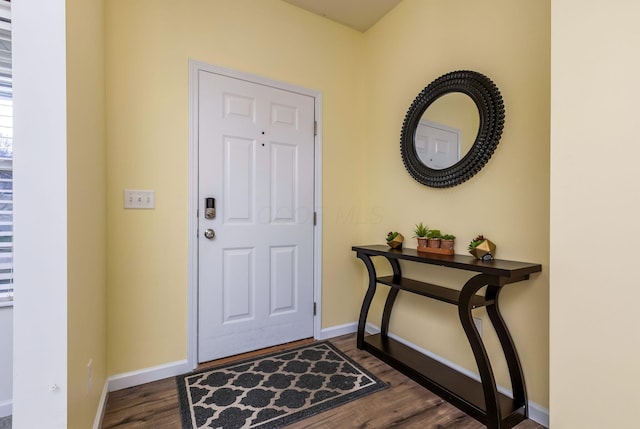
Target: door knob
[(209, 233)]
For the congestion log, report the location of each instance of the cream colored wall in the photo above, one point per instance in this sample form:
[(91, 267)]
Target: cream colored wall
[(148, 45), (86, 208), (595, 342), (508, 200)]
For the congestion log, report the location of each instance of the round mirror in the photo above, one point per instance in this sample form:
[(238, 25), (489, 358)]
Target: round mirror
[(452, 129)]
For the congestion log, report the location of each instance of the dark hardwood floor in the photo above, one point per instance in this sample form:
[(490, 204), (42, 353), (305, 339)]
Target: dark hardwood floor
[(405, 404)]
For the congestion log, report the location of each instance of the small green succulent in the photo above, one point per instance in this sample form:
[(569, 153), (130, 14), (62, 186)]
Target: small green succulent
[(392, 235), (476, 242), (434, 233), (420, 230)]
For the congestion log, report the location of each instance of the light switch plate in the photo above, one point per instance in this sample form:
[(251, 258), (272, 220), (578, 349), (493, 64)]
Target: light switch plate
[(139, 199)]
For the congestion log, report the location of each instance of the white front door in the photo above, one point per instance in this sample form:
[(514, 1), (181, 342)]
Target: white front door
[(256, 158), (437, 145)]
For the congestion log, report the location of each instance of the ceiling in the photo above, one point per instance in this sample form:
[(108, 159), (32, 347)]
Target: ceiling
[(357, 14)]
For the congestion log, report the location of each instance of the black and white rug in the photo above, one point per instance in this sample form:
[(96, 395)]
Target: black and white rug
[(272, 391)]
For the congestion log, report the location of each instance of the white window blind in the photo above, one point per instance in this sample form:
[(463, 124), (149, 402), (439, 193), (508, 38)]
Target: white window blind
[(6, 162)]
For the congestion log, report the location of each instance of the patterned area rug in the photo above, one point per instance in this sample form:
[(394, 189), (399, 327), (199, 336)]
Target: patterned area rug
[(272, 391)]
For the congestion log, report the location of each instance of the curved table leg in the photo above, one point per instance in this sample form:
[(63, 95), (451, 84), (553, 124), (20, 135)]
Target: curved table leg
[(391, 299), (366, 303), (479, 351), (386, 315), (513, 361)]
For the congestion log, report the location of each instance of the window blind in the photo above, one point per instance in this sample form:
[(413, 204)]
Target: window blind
[(6, 165)]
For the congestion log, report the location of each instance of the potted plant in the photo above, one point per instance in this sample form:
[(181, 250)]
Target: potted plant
[(447, 242), (433, 238), (482, 248), (421, 232), (394, 240)]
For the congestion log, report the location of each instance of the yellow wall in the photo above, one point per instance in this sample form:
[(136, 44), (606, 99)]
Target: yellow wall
[(508, 200), (86, 208), (595, 342), (148, 46), (368, 81)]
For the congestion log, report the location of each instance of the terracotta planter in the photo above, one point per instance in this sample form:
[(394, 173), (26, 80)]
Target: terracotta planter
[(433, 243), (422, 241), (447, 244)]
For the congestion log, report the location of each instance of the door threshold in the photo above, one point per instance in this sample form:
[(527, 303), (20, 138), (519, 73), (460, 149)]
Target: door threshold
[(255, 353)]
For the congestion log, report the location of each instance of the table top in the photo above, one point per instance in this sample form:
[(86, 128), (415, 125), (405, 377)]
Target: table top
[(496, 267)]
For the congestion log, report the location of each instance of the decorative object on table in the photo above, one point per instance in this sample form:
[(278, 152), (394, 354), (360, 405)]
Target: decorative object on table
[(394, 240), (447, 241), (430, 242), (421, 232), (433, 239), (272, 391), (482, 248)]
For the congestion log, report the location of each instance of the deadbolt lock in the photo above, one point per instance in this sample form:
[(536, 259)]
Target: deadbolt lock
[(209, 208)]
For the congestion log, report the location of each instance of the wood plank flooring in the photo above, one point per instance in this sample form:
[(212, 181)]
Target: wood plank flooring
[(405, 404)]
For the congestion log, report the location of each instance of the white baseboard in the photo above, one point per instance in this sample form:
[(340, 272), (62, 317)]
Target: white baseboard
[(147, 375), (136, 378), (537, 412), (102, 406), (336, 331), (6, 408)]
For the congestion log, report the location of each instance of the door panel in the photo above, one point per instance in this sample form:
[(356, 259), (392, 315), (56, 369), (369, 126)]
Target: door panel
[(284, 167), (238, 284), (239, 192), (283, 281), (256, 157)]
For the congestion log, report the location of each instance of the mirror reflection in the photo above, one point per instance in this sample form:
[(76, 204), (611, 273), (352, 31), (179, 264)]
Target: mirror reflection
[(447, 130)]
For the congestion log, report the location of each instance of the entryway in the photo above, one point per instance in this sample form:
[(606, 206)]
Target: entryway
[(256, 241)]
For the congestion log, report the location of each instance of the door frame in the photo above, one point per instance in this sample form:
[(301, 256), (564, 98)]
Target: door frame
[(195, 67)]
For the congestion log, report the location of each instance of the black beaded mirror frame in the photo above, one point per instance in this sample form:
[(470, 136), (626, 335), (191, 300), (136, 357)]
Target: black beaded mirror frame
[(487, 98)]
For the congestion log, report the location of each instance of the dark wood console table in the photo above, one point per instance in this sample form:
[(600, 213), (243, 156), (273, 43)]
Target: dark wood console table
[(480, 400)]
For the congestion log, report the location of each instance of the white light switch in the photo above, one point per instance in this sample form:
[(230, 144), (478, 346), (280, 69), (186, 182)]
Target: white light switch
[(139, 199)]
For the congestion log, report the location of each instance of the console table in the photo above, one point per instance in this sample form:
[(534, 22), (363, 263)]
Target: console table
[(480, 400)]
